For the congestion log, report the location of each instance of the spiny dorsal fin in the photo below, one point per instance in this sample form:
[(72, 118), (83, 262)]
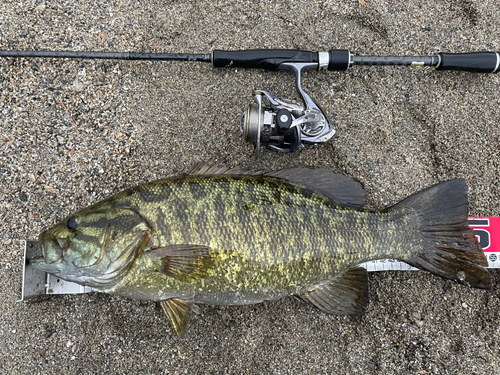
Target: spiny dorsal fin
[(347, 294), (178, 311), (184, 262), (340, 188), (210, 169)]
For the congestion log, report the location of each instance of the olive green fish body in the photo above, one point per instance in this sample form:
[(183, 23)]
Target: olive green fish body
[(268, 238), (233, 238)]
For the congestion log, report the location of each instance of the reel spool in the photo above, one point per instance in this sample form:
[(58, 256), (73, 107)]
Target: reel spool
[(272, 125)]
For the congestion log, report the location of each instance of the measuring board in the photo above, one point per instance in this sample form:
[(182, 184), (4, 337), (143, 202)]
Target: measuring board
[(36, 283)]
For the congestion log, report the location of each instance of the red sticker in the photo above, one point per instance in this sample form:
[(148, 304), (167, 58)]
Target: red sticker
[(487, 231)]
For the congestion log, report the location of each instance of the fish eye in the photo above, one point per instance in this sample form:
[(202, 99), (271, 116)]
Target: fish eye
[(72, 223)]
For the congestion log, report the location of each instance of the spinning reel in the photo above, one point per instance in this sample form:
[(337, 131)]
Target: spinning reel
[(282, 124)]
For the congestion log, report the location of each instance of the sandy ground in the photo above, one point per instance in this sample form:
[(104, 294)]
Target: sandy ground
[(74, 132)]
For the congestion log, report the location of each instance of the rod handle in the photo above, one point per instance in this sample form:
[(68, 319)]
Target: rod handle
[(478, 62), (268, 59)]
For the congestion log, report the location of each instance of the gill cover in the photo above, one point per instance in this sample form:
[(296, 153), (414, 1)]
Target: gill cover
[(94, 247)]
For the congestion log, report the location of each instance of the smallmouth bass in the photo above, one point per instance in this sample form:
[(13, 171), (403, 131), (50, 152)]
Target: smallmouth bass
[(229, 237)]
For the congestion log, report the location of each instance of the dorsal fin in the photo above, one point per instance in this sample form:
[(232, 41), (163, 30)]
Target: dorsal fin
[(340, 188), (209, 168)]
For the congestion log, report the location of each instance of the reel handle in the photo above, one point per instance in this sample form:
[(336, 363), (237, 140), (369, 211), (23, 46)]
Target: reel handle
[(477, 62)]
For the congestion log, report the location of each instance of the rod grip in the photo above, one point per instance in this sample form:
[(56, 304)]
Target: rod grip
[(268, 59), (478, 62)]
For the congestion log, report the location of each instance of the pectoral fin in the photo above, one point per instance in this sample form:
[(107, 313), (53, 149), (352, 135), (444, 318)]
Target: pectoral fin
[(184, 262), (178, 311), (344, 295)]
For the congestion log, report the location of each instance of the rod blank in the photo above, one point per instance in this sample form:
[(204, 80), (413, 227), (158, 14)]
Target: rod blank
[(108, 55)]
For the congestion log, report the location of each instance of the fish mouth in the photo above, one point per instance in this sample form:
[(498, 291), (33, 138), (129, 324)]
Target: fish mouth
[(47, 241)]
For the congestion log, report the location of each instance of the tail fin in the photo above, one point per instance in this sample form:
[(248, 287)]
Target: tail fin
[(450, 248)]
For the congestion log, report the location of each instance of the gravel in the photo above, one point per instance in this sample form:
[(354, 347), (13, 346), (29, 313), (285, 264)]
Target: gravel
[(73, 132)]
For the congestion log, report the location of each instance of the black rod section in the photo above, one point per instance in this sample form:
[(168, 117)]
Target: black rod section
[(170, 56), (396, 60), (480, 62), (109, 55)]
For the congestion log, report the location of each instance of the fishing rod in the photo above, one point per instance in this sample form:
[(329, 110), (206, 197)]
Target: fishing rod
[(279, 123)]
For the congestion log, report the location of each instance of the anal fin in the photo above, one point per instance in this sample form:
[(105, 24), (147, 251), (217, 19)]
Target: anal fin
[(347, 294), (178, 311)]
